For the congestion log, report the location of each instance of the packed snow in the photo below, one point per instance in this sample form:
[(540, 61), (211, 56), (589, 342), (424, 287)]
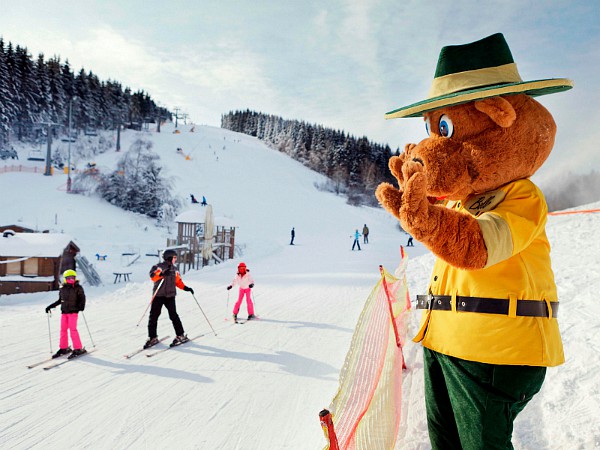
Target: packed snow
[(259, 385)]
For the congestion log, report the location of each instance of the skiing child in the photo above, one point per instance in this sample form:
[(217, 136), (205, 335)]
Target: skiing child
[(71, 299), (166, 278), (244, 280), (356, 241)]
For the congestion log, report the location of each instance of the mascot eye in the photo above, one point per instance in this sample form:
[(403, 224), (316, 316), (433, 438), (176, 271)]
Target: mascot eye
[(427, 126), (446, 127)]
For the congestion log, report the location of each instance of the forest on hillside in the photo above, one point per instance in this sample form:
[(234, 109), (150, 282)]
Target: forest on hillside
[(355, 166), (35, 92)]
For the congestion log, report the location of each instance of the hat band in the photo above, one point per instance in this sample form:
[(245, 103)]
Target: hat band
[(533, 88), (461, 81)]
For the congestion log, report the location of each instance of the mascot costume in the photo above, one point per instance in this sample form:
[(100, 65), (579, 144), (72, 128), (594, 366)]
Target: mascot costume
[(489, 329)]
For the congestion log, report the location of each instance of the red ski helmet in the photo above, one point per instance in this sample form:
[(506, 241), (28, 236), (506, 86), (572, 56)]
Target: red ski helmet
[(242, 266)]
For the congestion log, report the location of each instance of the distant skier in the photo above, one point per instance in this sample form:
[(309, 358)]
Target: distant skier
[(365, 234), (204, 201), (244, 280), (293, 233), (356, 242), (71, 298), (166, 278), (193, 198), (410, 242)]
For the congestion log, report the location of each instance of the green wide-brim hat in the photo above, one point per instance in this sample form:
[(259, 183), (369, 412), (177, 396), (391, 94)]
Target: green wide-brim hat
[(477, 70)]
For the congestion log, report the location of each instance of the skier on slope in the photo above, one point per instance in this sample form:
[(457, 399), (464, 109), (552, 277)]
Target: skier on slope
[(71, 299), (356, 241), (244, 280), (166, 278)]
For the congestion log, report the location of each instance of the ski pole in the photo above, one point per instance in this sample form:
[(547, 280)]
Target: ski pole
[(88, 328), (151, 300), (253, 298), (204, 314), (49, 332)]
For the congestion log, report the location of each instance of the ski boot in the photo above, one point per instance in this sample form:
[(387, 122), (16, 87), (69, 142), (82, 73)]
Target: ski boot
[(235, 317), (251, 316), (61, 352), (179, 340), (151, 342), (77, 352)]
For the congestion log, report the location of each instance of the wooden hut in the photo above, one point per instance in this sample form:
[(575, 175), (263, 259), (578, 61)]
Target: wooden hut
[(15, 229), (192, 236), (34, 262)]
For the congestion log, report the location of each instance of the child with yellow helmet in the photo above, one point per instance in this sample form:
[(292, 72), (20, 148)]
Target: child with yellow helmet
[(71, 299)]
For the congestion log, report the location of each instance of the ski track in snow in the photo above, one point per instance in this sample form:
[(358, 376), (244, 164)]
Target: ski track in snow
[(245, 387)]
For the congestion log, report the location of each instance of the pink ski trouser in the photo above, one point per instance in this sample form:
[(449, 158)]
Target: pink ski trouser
[(68, 322), (249, 303)]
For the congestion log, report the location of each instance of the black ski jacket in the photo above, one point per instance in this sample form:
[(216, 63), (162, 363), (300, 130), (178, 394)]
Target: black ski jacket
[(171, 279), (71, 298)]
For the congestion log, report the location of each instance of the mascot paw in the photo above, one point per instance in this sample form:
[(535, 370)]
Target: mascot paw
[(396, 162), (390, 198), (414, 211)]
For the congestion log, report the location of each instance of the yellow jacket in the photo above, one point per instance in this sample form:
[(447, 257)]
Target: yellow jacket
[(512, 219)]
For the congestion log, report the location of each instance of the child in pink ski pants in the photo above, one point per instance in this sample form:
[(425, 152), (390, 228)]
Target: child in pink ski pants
[(68, 325), (71, 299), (244, 280)]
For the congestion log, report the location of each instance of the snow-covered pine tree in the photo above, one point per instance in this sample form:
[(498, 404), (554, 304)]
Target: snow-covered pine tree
[(138, 185)]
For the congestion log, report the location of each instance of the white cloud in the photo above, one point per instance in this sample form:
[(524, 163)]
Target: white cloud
[(342, 63)]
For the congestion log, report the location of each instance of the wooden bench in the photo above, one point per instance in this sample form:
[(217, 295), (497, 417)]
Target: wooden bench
[(119, 275)]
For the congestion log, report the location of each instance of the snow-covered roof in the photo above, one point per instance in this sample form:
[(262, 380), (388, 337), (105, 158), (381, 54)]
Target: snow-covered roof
[(25, 226), (199, 216), (34, 244), (191, 216)]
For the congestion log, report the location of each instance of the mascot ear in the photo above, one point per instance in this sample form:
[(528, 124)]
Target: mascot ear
[(498, 109)]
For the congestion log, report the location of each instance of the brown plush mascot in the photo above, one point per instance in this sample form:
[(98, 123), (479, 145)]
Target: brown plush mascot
[(489, 329)]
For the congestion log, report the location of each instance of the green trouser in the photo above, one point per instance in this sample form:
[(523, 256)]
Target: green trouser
[(472, 405)]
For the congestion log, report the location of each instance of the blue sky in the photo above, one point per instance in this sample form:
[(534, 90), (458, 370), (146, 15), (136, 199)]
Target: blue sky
[(341, 63)]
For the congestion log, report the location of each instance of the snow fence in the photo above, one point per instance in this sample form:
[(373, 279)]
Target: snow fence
[(365, 413)]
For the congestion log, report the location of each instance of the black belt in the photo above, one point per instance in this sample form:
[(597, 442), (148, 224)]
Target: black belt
[(525, 308)]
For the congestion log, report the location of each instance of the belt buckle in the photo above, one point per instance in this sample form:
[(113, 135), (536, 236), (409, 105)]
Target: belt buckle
[(430, 300)]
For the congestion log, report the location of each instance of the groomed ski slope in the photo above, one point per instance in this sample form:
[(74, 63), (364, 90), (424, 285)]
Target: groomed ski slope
[(259, 385)]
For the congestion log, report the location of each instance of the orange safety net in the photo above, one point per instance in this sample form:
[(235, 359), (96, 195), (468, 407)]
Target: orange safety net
[(366, 410), (581, 211)]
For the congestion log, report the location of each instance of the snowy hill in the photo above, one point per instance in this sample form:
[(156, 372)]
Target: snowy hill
[(258, 385)]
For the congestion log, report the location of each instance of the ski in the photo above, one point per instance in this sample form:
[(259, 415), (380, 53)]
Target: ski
[(243, 321), (31, 366), (140, 350), (150, 355), (64, 361)]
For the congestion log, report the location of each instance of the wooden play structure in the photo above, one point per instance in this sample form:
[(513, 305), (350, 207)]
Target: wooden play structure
[(202, 239)]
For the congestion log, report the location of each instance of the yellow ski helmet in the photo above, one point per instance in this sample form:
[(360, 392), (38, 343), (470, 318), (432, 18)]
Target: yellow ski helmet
[(69, 273)]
